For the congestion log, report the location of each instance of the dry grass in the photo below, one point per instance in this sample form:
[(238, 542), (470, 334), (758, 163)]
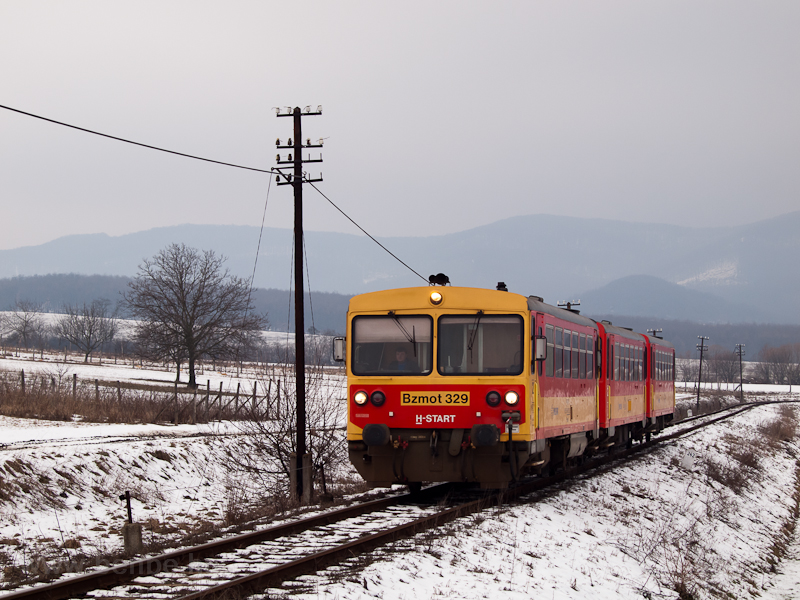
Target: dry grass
[(125, 404)]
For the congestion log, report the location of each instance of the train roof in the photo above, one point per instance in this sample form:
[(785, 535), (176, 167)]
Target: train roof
[(454, 298), (623, 332), (657, 341), (537, 304)]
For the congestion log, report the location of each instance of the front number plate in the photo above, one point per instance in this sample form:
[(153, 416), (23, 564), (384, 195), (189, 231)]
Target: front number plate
[(434, 398)]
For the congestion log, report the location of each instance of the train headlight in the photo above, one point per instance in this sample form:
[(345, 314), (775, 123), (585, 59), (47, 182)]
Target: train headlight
[(378, 398), (512, 398), (436, 298), (360, 398), (492, 398)]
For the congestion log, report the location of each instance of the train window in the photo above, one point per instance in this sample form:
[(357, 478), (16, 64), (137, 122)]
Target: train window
[(659, 363), (641, 364), (392, 345), (609, 359), (567, 353), (628, 361), (589, 357), (550, 335), (645, 363), (559, 351), (539, 362), (632, 362), (480, 344), (582, 359), (658, 366), (616, 362), (575, 355), (638, 364)]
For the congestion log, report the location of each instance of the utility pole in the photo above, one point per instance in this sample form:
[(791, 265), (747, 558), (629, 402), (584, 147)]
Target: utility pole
[(702, 347), (296, 179), (740, 353)]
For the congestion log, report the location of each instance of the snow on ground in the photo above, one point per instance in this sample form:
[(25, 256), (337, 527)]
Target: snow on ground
[(640, 530), (699, 511), (128, 370), (60, 486)]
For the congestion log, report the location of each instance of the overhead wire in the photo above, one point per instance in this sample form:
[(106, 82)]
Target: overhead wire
[(364, 231), (218, 162), (119, 139)]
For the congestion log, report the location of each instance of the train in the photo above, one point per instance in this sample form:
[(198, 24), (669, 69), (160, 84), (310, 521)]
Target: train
[(458, 384)]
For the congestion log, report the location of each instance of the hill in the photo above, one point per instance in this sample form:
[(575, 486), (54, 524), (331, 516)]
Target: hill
[(751, 269)]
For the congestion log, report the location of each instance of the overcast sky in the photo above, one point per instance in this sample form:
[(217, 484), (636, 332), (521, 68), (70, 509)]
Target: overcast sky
[(437, 116)]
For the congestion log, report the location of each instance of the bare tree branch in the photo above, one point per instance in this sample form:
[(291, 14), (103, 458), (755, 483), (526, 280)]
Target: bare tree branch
[(25, 324), (189, 306), (87, 327)]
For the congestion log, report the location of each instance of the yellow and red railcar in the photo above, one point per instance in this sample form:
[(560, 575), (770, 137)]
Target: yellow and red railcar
[(465, 384)]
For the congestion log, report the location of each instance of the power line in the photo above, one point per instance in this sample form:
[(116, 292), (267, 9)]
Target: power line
[(392, 254), (218, 162), (119, 139)]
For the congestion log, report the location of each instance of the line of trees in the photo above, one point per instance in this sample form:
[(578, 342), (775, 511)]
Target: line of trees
[(188, 308), (773, 365), (779, 365)]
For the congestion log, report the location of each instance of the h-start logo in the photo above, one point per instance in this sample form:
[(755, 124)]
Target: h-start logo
[(430, 419)]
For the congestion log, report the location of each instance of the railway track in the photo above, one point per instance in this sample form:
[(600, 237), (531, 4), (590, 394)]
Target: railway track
[(252, 562)]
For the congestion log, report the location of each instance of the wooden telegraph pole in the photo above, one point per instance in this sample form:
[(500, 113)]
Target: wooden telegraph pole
[(296, 179), (740, 353), (702, 348)]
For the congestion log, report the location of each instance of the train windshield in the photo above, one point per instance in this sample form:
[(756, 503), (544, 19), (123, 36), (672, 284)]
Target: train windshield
[(392, 345), (480, 344)]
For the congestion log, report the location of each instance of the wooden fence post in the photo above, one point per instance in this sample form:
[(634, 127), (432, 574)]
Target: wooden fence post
[(176, 403), (208, 393), (22, 379), (236, 399), (74, 385), (255, 387), (219, 399)]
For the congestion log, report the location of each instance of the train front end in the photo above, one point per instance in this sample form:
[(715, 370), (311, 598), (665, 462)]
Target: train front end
[(439, 384)]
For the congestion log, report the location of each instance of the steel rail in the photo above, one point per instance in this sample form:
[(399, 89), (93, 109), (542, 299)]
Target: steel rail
[(124, 573)]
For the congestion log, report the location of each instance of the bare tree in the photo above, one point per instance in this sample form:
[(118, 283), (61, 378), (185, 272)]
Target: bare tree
[(779, 365), (688, 368), (723, 364), (264, 451), (88, 326), (189, 306), (25, 324)]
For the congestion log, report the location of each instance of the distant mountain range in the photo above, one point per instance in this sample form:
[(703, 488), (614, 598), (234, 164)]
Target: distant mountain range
[(739, 274)]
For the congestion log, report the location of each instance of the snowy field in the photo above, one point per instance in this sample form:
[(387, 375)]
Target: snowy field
[(676, 515)]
